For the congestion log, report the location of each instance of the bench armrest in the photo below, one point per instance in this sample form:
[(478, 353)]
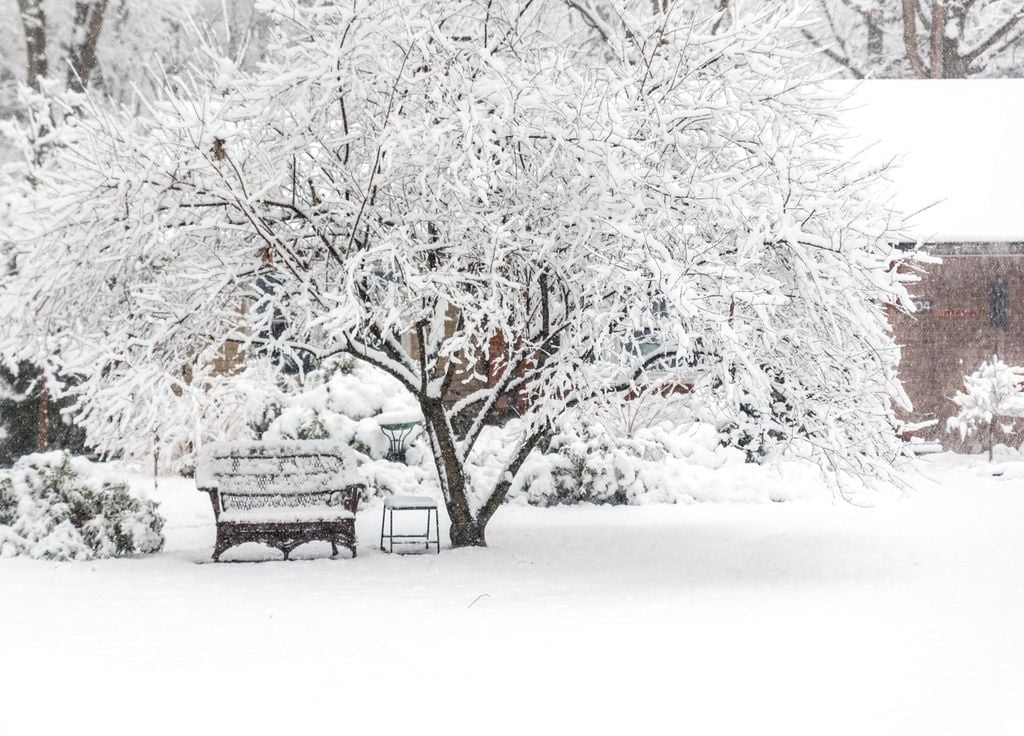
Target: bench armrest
[(215, 500), (352, 492)]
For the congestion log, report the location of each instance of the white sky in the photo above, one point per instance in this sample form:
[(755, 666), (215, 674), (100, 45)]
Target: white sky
[(960, 145)]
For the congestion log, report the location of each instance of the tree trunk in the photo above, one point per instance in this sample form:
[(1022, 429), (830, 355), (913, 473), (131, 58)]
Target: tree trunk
[(43, 428), (467, 535), (156, 463), (990, 433), (33, 21), (910, 40), (82, 52), (465, 530), (937, 40), (954, 66)]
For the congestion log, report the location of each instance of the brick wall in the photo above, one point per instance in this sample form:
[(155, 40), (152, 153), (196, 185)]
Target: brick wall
[(954, 333)]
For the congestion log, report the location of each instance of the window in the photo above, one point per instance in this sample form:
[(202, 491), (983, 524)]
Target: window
[(997, 304)]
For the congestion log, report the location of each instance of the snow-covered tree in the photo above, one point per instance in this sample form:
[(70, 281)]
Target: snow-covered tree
[(994, 391), (599, 193)]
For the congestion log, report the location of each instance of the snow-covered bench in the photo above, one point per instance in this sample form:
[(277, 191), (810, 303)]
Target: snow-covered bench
[(282, 494)]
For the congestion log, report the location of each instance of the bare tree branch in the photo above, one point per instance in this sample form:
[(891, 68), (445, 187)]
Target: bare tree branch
[(992, 40)]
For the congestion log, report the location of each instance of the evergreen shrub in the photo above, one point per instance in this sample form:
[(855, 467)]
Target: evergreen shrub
[(48, 510)]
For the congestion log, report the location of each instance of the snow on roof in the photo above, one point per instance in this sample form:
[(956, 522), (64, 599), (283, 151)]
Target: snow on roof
[(959, 149)]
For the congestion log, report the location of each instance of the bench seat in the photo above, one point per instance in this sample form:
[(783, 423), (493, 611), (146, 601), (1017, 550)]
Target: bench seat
[(285, 515)]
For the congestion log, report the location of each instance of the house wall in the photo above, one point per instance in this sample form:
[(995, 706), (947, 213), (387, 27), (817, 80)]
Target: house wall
[(953, 333), (472, 367)]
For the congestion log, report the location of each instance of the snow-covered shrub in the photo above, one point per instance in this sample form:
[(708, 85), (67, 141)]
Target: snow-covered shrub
[(677, 461), (758, 433), (659, 448), (666, 449), (589, 464), (48, 510), (8, 503), (346, 401), (991, 392)]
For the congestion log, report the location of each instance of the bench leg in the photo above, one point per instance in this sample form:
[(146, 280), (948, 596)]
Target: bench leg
[(437, 529), (221, 545), (287, 548)]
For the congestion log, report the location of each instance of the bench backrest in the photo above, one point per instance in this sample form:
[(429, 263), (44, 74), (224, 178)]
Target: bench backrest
[(298, 473)]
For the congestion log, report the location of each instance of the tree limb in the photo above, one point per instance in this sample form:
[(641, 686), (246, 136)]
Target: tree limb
[(910, 40), (494, 501), (1001, 32)]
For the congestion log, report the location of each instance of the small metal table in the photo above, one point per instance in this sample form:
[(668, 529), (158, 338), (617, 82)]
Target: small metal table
[(409, 503)]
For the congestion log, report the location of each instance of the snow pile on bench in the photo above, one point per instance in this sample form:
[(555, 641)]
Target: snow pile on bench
[(284, 468), (285, 482)]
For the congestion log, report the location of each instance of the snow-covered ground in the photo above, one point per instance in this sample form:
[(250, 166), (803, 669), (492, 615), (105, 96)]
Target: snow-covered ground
[(805, 617)]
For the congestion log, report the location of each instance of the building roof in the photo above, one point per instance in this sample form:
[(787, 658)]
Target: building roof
[(958, 150)]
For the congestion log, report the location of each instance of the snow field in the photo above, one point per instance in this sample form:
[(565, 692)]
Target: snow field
[(807, 617)]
